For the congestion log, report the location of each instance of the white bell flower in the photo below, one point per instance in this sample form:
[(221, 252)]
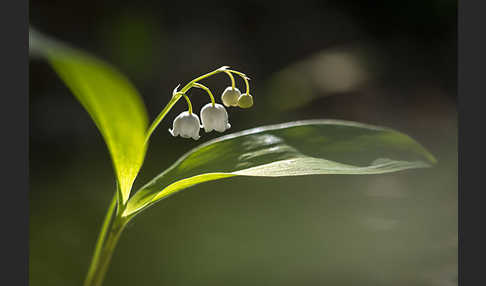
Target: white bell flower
[(230, 96), (186, 125), (214, 118)]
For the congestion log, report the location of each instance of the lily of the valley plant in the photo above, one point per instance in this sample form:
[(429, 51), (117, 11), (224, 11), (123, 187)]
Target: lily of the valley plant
[(311, 147)]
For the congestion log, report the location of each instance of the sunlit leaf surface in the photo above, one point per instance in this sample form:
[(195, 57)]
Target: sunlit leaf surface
[(110, 99), (291, 149)]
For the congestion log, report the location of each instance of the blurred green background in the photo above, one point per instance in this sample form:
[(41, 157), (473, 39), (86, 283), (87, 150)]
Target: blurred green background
[(390, 63)]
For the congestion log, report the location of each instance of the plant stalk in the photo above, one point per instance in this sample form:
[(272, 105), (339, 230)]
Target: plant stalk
[(114, 222), (107, 240)]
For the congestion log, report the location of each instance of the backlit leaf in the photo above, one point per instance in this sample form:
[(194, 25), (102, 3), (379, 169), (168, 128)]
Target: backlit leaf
[(110, 99), (309, 147)]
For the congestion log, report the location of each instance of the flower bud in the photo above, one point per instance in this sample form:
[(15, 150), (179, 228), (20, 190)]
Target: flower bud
[(245, 100), (214, 118), (230, 96), (186, 125)]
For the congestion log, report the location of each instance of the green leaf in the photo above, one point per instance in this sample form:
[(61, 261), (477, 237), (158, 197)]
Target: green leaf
[(291, 149), (110, 99)]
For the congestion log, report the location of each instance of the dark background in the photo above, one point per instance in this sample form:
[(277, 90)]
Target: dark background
[(391, 63)]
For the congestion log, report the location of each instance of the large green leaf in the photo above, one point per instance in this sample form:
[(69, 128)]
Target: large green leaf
[(290, 149), (110, 99)]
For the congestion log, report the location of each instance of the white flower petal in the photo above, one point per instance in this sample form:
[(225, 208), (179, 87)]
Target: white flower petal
[(214, 118), (186, 125)]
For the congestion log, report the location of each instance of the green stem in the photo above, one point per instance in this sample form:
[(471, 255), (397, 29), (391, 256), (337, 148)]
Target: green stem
[(161, 116), (244, 77), (233, 84), (198, 85), (189, 85), (189, 105), (107, 240), (101, 240)]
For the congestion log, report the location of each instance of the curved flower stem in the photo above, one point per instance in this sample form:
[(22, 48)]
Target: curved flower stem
[(175, 98), (233, 85), (189, 105), (244, 77), (161, 116), (198, 85), (189, 85)]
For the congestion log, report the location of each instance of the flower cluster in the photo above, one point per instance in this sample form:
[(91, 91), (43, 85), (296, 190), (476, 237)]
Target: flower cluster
[(213, 115)]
